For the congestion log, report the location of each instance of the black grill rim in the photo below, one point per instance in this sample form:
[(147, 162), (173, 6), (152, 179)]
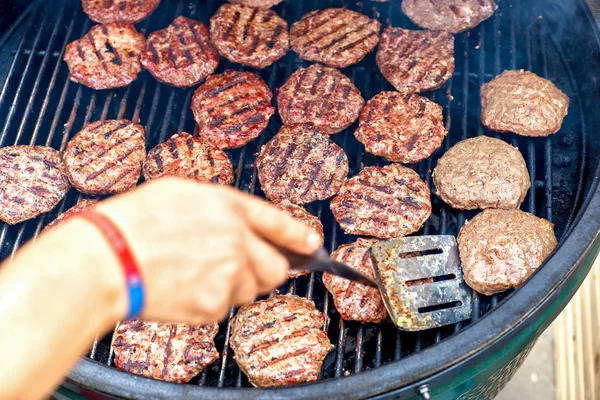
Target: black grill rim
[(565, 267)]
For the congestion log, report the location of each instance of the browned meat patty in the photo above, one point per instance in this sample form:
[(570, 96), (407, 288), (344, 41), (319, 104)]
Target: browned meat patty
[(169, 352), (523, 103), (232, 109), (404, 128), (248, 35), (302, 165), (482, 172), (384, 202), (130, 11), (106, 157), (500, 249), (32, 182), (335, 36), (81, 206), (321, 95), (257, 3), (185, 156), (449, 15), (416, 61), (355, 301), (280, 341), (106, 57), (181, 54), (302, 215)]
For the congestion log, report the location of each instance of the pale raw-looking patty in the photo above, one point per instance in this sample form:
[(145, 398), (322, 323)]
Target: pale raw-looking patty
[(384, 202), (257, 3), (523, 103), (482, 172), (500, 249), (449, 15)]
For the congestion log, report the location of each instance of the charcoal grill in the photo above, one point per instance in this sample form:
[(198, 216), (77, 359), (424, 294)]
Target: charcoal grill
[(474, 359)]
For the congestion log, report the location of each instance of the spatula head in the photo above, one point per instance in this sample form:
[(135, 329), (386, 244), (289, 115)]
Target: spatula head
[(421, 281)]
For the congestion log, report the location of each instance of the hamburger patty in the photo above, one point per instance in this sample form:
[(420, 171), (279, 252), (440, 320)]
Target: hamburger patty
[(82, 205), (321, 95), (248, 35), (335, 36), (500, 249), (300, 213), (169, 352), (130, 11), (257, 3), (32, 182), (449, 15), (106, 57), (181, 54), (106, 157), (482, 172), (232, 108), (416, 61), (403, 128), (355, 301), (280, 341), (185, 156), (301, 165), (384, 202), (523, 103)]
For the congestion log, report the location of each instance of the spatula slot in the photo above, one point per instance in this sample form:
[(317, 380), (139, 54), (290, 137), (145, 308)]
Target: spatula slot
[(439, 307)]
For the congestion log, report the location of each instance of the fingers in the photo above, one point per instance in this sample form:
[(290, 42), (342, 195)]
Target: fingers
[(266, 263), (277, 227), (246, 288)]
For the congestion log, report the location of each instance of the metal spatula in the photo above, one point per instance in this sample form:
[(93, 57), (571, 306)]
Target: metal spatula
[(421, 281)]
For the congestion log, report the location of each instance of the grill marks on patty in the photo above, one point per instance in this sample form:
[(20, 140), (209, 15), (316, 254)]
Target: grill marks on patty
[(106, 157), (248, 35), (108, 56), (130, 11), (32, 182), (188, 157), (321, 95), (169, 352), (280, 341), (403, 128), (355, 301), (301, 165), (335, 36), (453, 16), (232, 108), (383, 202), (181, 54), (416, 61)]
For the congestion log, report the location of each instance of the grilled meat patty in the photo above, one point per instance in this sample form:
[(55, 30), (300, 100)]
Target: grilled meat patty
[(257, 3), (302, 215), (82, 205), (181, 54), (129, 11), (500, 249), (106, 57), (169, 352), (523, 103), (232, 108), (249, 35), (449, 15), (416, 61), (355, 301), (482, 172), (403, 128), (384, 202), (302, 165), (185, 156), (32, 182), (106, 157), (320, 95), (336, 37), (279, 341)]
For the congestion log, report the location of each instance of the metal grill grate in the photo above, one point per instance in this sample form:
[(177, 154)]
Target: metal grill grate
[(39, 105)]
